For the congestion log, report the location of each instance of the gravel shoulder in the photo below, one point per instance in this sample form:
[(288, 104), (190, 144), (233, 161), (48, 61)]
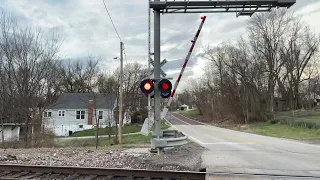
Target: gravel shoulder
[(183, 158)]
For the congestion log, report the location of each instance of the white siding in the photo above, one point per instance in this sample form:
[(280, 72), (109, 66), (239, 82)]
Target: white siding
[(61, 126), (11, 133)]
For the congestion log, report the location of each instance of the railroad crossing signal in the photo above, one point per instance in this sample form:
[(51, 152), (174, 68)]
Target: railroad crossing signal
[(164, 86), (163, 62)]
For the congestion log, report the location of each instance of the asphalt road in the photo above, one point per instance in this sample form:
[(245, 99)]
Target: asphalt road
[(244, 153)]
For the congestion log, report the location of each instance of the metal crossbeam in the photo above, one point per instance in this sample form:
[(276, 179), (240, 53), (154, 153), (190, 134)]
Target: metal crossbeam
[(241, 7)]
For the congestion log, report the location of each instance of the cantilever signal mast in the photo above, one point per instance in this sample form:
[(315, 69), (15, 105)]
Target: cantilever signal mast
[(240, 7)]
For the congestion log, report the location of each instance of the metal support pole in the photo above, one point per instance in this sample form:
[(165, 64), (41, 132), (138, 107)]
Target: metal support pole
[(157, 108), (121, 95), (149, 68)]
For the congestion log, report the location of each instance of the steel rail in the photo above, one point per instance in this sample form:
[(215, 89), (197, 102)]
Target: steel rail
[(95, 172)]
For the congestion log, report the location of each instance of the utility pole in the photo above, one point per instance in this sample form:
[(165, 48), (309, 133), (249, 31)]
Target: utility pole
[(121, 95)]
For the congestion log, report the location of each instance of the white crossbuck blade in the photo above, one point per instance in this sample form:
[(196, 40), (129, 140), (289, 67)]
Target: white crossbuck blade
[(163, 62)]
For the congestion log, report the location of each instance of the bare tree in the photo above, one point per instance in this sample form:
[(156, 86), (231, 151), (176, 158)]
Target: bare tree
[(80, 76), (280, 55), (26, 57), (133, 98), (297, 51), (266, 32)]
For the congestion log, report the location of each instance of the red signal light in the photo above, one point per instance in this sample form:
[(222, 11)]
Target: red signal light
[(165, 86)]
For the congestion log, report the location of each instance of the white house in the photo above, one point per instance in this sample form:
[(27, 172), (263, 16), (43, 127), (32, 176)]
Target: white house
[(79, 111)]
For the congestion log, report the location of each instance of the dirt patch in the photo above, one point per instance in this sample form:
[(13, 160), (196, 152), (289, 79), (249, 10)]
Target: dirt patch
[(183, 158)]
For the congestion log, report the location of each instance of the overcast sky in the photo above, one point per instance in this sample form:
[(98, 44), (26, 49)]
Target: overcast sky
[(85, 29)]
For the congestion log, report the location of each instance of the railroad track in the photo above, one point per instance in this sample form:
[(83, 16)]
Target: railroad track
[(13, 172)]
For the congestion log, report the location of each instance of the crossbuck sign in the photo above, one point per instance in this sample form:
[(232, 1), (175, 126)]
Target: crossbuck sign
[(163, 62)]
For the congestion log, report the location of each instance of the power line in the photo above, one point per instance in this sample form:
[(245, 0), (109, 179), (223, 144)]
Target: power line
[(111, 20), (124, 49)]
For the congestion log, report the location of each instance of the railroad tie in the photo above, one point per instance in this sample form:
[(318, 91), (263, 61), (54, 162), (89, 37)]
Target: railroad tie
[(18, 174), (91, 177), (5, 173), (72, 177), (51, 177), (33, 175)]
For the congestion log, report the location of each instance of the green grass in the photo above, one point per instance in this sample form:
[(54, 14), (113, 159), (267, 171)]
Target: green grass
[(299, 113), (190, 113), (164, 125), (134, 128), (112, 131), (285, 131), (306, 119), (128, 140), (132, 140)]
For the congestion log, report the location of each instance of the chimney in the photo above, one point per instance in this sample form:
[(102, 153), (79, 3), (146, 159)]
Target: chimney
[(90, 112)]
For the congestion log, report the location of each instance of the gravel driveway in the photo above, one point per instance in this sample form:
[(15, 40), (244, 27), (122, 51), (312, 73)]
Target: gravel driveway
[(187, 157)]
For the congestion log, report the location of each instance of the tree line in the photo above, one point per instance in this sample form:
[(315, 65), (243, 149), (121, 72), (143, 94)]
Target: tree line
[(32, 75), (274, 68)]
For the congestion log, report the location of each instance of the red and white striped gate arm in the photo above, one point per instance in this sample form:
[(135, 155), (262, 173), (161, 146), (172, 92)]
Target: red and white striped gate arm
[(187, 59)]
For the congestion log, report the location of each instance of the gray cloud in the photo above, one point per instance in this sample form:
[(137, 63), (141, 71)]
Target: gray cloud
[(176, 64), (302, 3), (187, 73), (85, 29), (314, 11)]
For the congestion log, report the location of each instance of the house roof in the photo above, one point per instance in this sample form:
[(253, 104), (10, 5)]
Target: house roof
[(81, 101)]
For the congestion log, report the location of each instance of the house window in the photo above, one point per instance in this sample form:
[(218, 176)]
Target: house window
[(80, 114), (47, 114), (61, 113), (80, 126), (100, 114)]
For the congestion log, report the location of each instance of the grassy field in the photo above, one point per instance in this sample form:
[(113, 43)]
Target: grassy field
[(134, 128), (299, 113), (112, 131), (306, 119), (190, 113), (131, 140), (285, 131)]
